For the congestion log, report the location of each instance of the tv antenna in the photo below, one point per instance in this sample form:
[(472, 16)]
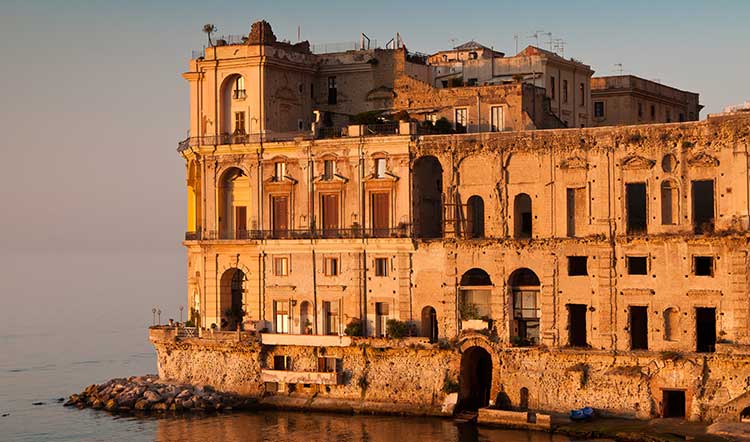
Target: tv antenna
[(618, 67), (536, 35), (515, 37), (558, 44)]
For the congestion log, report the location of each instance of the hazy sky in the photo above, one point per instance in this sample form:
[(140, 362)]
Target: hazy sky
[(93, 101)]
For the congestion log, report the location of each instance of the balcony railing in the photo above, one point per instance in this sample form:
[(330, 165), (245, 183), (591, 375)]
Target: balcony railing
[(222, 139), (402, 231), (381, 129)]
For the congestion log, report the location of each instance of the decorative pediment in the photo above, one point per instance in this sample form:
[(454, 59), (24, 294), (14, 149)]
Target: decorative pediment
[(702, 159), (335, 179), (273, 183), (574, 162), (637, 162)]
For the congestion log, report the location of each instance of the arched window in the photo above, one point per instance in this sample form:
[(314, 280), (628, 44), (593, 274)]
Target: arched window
[(427, 191), (475, 217), (239, 88), (474, 294), (524, 287), (429, 323), (669, 202), (671, 324), (234, 199), (522, 216), (233, 116), (231, 291)]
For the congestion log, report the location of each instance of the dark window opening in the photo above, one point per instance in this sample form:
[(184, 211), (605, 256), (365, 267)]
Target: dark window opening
[(703, 265), (552, 90), (637, 265), (705, 329), (640, 110), (653, 112), (577, 325), (635, 202), (576, 207), (638, 328), (523, 402), (427, 188), (522, 214), (582, 95), (703, 206), (599, 109), (332, 90), (475, 217), (381, 266), (673, 403), (282, 362), (565, 91), (328, 365), (577, 266)]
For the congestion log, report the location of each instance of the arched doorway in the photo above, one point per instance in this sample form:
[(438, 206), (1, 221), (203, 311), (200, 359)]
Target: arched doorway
[(429, 323), (523, 399), (524, 288), (475, 381), (230, 299), (475, 217), (427, 194)]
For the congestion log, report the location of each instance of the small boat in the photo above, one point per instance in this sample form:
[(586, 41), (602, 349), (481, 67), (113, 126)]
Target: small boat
[(581, 414)]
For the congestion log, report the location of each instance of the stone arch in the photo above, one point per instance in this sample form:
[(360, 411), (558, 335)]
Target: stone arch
[(525, 288), (671, 324), (427, 197), (522, 216), (231, 298), (232, 100), (429, 323), (233, 192), (475, 379), (475, 217)]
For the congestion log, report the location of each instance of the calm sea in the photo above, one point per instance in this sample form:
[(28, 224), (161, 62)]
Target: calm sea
[(69, 319)]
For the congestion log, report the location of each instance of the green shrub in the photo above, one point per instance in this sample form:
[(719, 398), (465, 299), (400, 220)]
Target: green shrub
[(468, 310), (354, 328), (450, 385), (396, 329)]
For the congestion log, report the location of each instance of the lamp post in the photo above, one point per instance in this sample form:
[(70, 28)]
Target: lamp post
[(158, 312), (181, 307), (153, 320)]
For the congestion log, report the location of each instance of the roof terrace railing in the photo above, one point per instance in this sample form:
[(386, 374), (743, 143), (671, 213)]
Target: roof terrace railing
[(400, 231), (329, 48)]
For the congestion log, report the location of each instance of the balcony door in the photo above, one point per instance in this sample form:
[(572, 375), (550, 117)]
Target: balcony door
[(240, 222), (329, 204), (281, 316), (380, 214), (280, 216)]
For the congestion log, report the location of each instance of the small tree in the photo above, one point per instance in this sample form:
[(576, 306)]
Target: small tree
[(209, 29), (443, 126), (354, 328), (397, 329)]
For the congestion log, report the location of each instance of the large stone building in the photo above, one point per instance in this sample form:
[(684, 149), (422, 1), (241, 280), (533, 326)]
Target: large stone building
[(628, 240), (627, 99)]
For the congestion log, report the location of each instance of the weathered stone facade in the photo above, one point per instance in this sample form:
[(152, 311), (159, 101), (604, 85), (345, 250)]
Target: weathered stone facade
[(598, 266)]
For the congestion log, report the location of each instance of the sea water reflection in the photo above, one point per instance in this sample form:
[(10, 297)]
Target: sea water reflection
[(311, 427)]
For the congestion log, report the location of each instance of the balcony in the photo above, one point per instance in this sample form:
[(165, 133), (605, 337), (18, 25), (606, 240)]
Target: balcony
[(300, 377), (305, 340), (401, 231)]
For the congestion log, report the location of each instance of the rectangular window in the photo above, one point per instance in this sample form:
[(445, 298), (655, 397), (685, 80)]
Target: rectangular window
[(635, 207), (496, 119), (703, 206), (705, 329), (637, 265), (279, 171), (582, 95), (379, 167), (565, 91), (327, 365), (280, 216), (577, 266), (329, 207), (380, 214), (329, 168), (526, 314), (577, 210), (282, 362), (669, 116), (653, 112), (331, 317), (239, 123), (281, 316), (381, 266), (381, 318), (281, 266), (599, 109), (669, 203), (461, 120), (638, 328), (577, 325), (552, 88), (331, 266), (240, 222), (640, 110), (703, 266), (332, 90)]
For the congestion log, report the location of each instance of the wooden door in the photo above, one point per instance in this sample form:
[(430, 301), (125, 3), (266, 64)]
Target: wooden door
[(280, 207), (330, 213), (380, 219), (240, 222)]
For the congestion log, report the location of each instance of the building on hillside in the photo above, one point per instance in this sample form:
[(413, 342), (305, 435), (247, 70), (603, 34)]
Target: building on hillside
[(627, 240), (627, 99)]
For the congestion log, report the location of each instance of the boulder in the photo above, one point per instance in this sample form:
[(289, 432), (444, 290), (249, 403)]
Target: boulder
[(184, 394), (188, 404), (110, 405), (160, 407), (72, 400), (142, 405), (97, 405), (151, 396)]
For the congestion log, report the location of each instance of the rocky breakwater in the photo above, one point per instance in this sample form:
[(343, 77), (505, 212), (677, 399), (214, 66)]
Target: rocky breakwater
[(148, 394)]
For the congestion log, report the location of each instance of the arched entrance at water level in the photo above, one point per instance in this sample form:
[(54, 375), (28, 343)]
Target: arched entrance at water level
[(475, 380)]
